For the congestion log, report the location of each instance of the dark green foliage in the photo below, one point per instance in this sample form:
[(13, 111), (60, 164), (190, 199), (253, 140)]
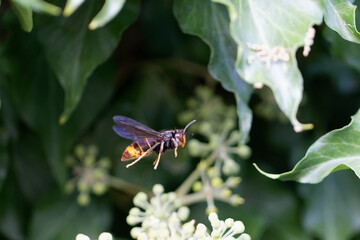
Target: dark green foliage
[(61, 83)]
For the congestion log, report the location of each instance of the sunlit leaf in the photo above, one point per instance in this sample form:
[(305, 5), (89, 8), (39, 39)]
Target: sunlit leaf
[(267, 38), (192, 17), (331, 208), (339, 15), (75, 58), (336, 150), (24, 15), (110, 9)]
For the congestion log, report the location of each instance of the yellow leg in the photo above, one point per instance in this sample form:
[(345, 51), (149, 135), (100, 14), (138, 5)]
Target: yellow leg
[(143, 155), (157, 160), (176, 146)]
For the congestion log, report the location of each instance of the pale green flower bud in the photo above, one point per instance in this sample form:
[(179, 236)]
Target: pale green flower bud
[(105, 236), (140, 199), (189, 227), (83, 199), (183, 213), (147, 222), (135, 232), (211, 209), (233, 181), (230, 167), (216, 234), (89, 160), (238, 227), (211, 172), (197, 186), (172, 196), (83, 185), (99, 188), (226, 193), (236, 200), (200, 232), (133, 220), (214, 220), (244, 236), (244, 151), (229, 222), (174, 219), (134, 211), (216, 182), (178, 203), (80, 151), (202, 165), (98, 174), (158, 189), (197, 148), (142, 236), (81, 236)]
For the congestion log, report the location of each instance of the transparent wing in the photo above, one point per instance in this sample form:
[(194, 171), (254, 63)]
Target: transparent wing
[(131, 129)]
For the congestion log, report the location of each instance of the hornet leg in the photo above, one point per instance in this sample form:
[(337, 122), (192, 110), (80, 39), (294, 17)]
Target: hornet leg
[(176, 146), (143, 155), (157, 160)]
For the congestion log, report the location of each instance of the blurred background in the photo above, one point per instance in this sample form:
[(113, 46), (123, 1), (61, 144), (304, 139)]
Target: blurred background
[(154, 75)]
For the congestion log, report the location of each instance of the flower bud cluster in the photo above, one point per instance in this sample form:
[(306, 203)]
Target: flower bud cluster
[(168, 226), (160, 217), (213, 187), (90, 174), (102, 236), (212, 122)]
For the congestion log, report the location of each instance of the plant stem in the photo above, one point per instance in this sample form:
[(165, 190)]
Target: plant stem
[(185, 187)]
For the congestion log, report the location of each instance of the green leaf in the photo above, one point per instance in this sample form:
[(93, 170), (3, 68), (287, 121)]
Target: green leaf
[(71, 6), (40, 103), (110, 9), (40, 6), (192, 17), (340, 16), (60, 218), (24, 15), (332, 211), (336, 150), (12, 208), (74, 52), (267, 38), (347, 52)]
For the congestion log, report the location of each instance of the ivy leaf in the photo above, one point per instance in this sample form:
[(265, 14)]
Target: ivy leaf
[(345, 51), (110, 9), (192, 17), (336, 150), (40, 6), (74, 51), (24, 15), (331, 207), (340, 16), (71, 6), (40, 103), (267, 38), (61, 218)]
